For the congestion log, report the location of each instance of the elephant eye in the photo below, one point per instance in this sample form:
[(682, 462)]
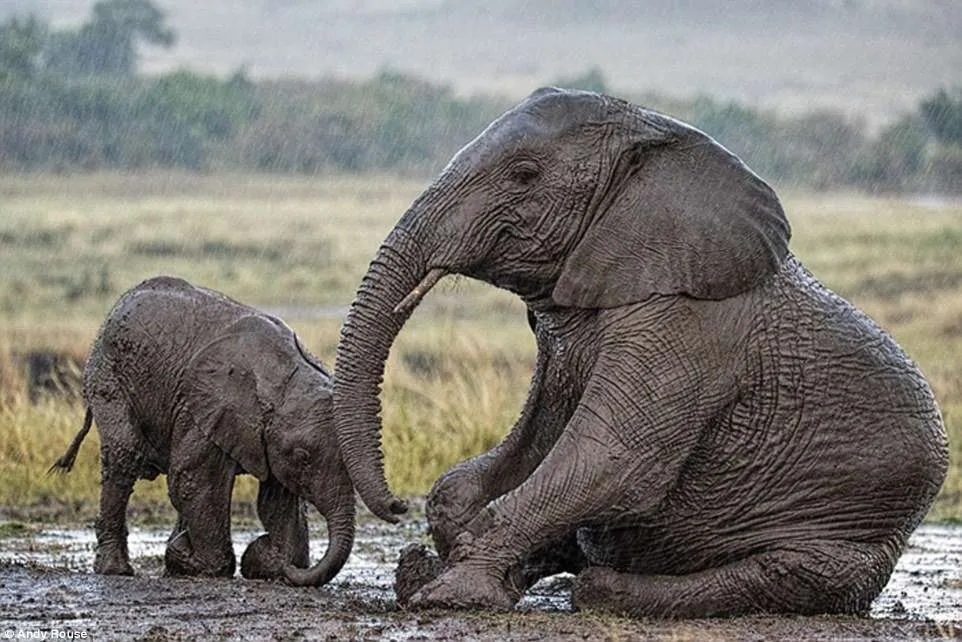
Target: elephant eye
[(301, 457), (524, 174)]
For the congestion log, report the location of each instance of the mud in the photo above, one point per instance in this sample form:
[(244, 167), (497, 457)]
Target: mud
[(47, 589)]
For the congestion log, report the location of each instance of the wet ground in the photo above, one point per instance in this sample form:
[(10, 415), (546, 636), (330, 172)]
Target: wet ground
[(47, 589)]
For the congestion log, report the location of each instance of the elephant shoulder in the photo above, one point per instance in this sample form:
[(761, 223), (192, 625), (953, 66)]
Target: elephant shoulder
[(682, 330)]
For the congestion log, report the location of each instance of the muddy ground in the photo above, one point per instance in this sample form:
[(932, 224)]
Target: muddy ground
[(47, 587)]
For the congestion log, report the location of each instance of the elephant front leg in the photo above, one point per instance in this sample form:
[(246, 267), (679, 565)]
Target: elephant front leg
[(418, 566), (486, 565), (200, 486), (286, 541), (598, 472), (179, 553), (461, 493)]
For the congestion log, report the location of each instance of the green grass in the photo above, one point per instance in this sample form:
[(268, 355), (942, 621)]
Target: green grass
[(459, 372)]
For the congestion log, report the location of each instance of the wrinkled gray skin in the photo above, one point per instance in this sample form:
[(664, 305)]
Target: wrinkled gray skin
[(709, 430), (184, 381)]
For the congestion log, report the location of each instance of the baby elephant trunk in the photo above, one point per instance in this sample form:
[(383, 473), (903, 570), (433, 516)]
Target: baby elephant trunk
[(340, 528)]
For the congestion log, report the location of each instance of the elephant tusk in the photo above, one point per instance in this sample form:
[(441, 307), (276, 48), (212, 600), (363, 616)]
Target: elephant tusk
[(414, 297), (176, 537)]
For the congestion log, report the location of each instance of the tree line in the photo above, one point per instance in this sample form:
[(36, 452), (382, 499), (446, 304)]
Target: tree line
[(72, 100)]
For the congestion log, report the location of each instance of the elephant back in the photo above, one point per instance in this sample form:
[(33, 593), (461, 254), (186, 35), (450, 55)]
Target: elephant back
[(147, 339)]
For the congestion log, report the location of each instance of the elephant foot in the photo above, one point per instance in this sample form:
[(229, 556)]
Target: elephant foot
[(110, 561), (417, 566), (593, 589), (262, 560), (175, 567), (178, 556), (180, 559), (465, 588), (597, 589), (111, 557)]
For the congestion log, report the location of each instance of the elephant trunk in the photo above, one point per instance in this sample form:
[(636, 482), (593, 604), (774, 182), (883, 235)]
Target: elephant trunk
[(378, 313), (340, 531)]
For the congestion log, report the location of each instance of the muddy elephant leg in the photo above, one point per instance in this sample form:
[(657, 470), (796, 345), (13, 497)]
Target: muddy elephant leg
[(809, 578), (618, 457), (119, 467), (112, 557), (200, 484), (585, 472), (462, 493), (282, 514)]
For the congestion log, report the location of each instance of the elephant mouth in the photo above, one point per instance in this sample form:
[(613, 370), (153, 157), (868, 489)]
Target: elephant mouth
[(413, 298)]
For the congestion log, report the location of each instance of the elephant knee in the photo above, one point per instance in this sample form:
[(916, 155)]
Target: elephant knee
[(834, 577), (262, 560), (265, 557), (454, 501)]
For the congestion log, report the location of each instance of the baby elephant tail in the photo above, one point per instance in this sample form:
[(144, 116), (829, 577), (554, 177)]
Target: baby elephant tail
[(65, 463)]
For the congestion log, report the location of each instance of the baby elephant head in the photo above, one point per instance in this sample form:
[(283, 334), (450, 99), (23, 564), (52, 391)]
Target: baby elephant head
[(257, 394)]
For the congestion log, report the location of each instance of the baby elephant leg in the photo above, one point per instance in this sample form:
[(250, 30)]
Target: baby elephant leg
[(119, 468), (807, 579), (286, 541), (200, 488), (112, 557)]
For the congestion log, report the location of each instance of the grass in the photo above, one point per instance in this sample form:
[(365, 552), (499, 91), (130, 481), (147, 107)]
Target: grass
[(458, 374)]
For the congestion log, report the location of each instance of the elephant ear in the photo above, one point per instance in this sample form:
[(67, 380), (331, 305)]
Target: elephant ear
[(233, 385), (683, 216)]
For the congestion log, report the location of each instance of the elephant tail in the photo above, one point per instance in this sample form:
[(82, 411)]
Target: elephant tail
[(66, 461)]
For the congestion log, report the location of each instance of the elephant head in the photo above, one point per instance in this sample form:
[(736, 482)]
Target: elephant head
[(266, 402), (570, 199)]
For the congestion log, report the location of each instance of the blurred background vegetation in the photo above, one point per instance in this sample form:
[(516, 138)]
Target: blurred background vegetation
[(72, 100)]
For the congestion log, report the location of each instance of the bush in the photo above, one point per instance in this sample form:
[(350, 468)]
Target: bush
[(183, 113), (21, 43), (942, 113), (107, 44), (945, 169), (390, 122), (895, 158)]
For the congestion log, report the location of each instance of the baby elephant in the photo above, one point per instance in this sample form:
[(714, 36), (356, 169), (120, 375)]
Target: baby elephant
[(185, 381)]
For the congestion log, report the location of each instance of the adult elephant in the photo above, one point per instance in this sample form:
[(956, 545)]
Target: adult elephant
[(709, 429), (184, 381)]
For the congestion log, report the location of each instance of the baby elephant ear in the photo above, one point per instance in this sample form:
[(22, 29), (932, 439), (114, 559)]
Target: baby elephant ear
[(233, 385), (683, 216)]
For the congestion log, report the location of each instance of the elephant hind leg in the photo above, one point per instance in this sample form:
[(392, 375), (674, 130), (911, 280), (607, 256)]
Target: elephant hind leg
[(808, 579), (112, 557), (119, 470)]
